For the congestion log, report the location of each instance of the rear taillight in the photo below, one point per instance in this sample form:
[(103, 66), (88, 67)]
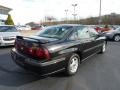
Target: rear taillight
[(17, 46), (31, 51), (15, 43), (40, 53), (43, 53)]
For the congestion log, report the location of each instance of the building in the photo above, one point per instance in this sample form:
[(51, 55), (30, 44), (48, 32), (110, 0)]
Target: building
[(3, 11)]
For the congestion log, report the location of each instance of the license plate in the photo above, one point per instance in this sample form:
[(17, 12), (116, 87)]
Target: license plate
[(9, 44), (28, 60), (20, 58)]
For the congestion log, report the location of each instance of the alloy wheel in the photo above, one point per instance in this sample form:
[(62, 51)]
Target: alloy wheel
[(74, 64), (117, 38)]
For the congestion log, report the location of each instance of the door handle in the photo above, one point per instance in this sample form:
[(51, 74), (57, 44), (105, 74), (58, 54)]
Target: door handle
[(87, 40)]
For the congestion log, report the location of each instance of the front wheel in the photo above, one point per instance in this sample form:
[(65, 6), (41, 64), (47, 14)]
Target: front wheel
[(73, 63), (117, 38)]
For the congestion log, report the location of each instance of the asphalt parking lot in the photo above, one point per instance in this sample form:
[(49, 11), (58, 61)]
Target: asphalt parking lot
[(100, 72)]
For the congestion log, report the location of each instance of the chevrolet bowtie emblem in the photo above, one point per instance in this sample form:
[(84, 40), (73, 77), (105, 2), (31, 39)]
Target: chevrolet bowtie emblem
[(35, 45), (21, 48)]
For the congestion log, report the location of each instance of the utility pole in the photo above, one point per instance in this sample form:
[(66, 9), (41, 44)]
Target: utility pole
[(100, 18), (74, 13), (66, 13)]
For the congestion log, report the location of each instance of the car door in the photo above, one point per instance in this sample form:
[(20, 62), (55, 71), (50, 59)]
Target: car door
[(95, 41), (86, 42), (82, 41)]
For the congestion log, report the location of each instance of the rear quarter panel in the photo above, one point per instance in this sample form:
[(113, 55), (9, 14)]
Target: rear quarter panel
[(62, 50)]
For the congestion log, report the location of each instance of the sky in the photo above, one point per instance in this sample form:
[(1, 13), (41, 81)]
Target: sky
[(25, 11)]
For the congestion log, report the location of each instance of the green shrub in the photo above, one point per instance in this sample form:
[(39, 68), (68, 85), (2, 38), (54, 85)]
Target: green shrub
[(9, 20)]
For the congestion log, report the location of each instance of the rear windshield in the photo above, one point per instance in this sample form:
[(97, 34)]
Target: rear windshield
[(57, 32), (8, 29)]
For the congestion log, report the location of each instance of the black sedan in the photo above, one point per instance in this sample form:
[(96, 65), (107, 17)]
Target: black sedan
[(57, 48)]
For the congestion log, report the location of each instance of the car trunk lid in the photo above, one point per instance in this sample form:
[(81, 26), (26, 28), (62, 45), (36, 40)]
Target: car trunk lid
[(32, 47)]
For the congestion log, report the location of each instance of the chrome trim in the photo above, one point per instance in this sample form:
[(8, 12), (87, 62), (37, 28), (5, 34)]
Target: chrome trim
[(92, 48), (89, 56), (52, 62), (53, 72)]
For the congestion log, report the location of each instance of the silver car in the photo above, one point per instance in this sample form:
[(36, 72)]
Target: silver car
[(113, 34), (8, 34)]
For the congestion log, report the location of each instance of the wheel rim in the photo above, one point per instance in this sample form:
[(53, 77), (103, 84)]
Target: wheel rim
[(74, 64), (117, 38), (104, 47)]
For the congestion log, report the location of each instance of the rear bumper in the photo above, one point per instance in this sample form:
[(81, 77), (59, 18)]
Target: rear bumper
[(43, 68)]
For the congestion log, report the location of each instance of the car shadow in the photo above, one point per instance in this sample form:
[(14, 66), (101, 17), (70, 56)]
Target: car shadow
[(59, 74), (6, 47), (110, 40), (12, 75)]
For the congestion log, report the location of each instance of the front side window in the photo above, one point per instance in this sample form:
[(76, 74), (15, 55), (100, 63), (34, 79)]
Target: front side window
[(57, 32), (118, 29), (83, 34), (8, 29), (80, 33), (93, 32)]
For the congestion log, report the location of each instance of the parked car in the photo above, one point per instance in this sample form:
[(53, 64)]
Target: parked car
[(113, 34), (7, 35), (37, 28), (23, 27), (60, 47), (100, 29)]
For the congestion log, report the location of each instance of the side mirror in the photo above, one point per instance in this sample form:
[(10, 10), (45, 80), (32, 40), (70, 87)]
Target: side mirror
[(95, 35), (99, 35)]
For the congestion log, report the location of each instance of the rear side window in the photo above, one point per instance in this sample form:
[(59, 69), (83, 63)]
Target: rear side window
[(8, 29)]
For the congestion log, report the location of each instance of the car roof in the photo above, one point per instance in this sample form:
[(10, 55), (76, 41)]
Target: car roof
[(71, 25), (6, 25)]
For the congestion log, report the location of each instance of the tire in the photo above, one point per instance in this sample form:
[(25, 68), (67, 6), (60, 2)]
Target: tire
[(116, 38), (103, 49), (73, 64)]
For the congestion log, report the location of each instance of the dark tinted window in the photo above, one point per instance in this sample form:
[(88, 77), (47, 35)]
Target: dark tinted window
[(8, 29)]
